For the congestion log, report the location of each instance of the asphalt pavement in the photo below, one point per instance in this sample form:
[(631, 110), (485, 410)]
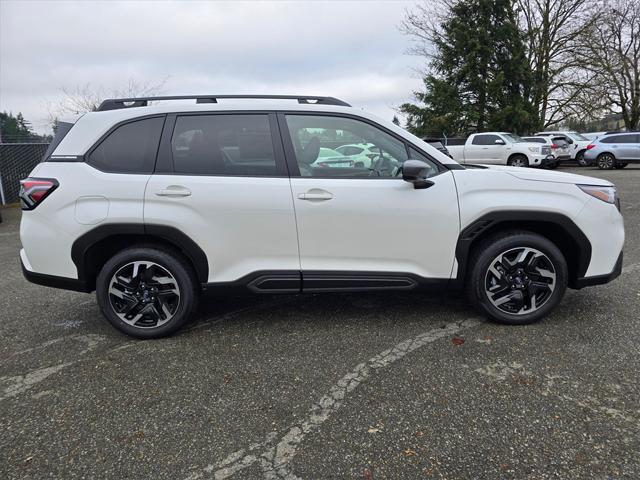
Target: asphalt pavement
[(333, 386)]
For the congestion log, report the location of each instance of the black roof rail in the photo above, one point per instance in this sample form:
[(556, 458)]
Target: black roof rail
[(118, 103)]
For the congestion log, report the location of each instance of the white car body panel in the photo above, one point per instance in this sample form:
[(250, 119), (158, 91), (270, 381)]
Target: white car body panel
[(243, 224), (48, 232), (479, 191), (378, 225)]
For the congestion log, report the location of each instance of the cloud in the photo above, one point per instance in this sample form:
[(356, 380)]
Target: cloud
[(352, 50)]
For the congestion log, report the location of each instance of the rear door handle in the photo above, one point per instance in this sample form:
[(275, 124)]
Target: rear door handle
[(316, 195), (174, 191)]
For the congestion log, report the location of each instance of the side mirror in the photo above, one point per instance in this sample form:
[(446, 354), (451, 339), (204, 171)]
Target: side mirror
[(416, 171), (499, 142)]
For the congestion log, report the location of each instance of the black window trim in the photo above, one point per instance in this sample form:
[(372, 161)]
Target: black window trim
[(292, 162), (165, 165), (113, 128)]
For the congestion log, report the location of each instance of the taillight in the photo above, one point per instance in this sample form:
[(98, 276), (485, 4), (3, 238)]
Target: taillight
[(590, 146), (34, 190)]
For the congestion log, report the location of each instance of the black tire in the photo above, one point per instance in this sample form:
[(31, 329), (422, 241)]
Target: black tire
[(481, 279), (606, 161), (518, 161), (157, 262), (621, 164), (580, 159), (552, 165)]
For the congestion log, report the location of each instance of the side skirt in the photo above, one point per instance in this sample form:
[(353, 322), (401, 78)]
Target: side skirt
[(293, 281)]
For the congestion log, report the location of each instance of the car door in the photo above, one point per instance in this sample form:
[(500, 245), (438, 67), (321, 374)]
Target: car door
[(485, 149), (366, 227), (627, 146), (222, 180)]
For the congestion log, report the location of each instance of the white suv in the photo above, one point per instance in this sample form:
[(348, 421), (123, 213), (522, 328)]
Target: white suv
[(150, 205)]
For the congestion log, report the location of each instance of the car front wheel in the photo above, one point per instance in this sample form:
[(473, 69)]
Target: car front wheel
[(146, 292), (517, 278), (606, 161)]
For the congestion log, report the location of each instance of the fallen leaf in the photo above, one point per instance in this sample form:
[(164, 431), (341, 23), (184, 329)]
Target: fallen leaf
[(366, 474), (420, 434), (457, 341), (408, 452), (373, 430)]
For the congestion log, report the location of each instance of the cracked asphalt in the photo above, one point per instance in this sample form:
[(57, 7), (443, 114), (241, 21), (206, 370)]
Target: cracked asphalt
[(334, 386)]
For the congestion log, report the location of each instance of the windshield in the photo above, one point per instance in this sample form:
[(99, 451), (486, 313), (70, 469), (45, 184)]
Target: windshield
[(578, 137), (512, 137)]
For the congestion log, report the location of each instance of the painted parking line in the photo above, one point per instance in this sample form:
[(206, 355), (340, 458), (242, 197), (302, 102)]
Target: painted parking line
[(275, 458), (10, 386)]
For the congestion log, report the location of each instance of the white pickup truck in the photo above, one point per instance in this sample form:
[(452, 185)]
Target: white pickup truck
[(499, 148)]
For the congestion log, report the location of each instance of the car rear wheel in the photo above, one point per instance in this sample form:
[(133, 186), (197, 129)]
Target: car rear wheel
[(146, 292), (606, 161), (518, 161), (517, 277)]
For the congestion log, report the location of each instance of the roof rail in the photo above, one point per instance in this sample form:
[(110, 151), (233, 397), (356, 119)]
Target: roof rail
[(118, 103)]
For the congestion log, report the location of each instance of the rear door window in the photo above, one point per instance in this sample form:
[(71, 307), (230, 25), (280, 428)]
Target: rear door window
[(485, 139), (233, 145), (130, 148)]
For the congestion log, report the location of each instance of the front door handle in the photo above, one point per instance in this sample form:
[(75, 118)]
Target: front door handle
[(174, 191), (316, 194)]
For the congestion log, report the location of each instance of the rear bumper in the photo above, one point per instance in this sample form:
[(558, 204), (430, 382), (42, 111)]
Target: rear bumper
[(600, 279), (54, 281)]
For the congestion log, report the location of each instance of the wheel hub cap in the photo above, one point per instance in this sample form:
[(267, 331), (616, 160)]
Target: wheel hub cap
[(144, 294), (520, 280)]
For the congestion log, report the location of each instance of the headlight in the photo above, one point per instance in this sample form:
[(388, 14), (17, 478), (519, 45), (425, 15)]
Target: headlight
[(606, 194), (534, 149)]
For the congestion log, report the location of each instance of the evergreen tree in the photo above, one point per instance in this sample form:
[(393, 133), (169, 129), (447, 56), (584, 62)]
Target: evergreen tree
[(480, 78), (14, 128)]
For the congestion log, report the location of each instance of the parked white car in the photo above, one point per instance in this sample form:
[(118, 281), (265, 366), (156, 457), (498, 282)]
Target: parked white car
[(362, 154), (501, 148), (153, 205), (577, 144)]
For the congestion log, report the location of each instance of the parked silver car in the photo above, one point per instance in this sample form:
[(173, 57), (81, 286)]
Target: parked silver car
[(614, 150)]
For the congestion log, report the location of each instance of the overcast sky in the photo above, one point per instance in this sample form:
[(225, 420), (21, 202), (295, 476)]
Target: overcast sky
[(348, 49)]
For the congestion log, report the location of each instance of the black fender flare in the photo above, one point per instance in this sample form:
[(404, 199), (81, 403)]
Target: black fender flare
[(494, 221), (169, 234)]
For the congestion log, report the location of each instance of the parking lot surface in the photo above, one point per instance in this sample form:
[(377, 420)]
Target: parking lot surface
[(355, 386)]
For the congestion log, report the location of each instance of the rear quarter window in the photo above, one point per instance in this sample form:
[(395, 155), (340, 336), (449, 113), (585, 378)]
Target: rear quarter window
[(130, 148)]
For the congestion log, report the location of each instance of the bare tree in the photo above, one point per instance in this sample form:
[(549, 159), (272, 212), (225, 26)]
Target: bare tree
[(88, 97), (611, 53), (553, 31)]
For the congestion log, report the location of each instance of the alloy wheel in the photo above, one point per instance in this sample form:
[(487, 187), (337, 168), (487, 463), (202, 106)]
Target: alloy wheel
[(606, 161), (144, 294), (519, 281), (518, 162)]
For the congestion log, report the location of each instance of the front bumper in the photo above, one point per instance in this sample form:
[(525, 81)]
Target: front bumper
[(600, 279)]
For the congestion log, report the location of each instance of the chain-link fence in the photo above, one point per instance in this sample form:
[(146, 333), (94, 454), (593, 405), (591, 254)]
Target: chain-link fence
[(16, 161)]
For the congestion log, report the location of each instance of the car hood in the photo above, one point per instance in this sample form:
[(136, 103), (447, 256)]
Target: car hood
[(538, 175)]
